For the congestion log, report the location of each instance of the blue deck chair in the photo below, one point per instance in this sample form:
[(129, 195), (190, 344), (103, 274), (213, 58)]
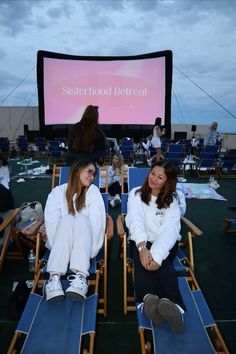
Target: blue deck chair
[(62, 324), (227, 166), (201, 334), (101, 262), (207, 165), (69, 320), (182, 263)]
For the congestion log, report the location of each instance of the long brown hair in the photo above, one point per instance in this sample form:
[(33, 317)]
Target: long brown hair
[(83, 133), (75, 187), (165, 197)]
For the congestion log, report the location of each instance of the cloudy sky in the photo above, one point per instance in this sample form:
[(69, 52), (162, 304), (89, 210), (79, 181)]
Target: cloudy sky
[(201, 34)]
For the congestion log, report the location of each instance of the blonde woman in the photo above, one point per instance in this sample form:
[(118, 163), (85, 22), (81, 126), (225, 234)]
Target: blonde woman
[(114, 180)]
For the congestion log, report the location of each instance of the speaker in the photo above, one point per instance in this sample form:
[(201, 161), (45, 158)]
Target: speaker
[(180, 136), (194, 128), (26, 130)]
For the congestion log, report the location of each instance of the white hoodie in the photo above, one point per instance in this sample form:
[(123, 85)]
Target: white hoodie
[(56, 208), (161, 227)]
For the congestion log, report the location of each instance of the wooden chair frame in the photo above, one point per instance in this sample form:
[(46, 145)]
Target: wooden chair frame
[(214, 333), (229, 222), (10, 234)]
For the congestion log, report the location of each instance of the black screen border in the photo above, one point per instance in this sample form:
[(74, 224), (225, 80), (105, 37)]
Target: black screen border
[(41, 54)]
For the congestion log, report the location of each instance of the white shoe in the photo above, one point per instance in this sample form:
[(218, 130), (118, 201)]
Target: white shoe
[(78, 287), (112, 203), (149, 162), (54, 289), (117, 200)]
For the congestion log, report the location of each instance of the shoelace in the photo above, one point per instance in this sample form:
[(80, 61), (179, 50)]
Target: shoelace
[(55, 283), (77, 281)]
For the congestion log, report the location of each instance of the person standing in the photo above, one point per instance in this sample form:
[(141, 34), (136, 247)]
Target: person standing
[(212, 135), (156, 140), (86, 139)]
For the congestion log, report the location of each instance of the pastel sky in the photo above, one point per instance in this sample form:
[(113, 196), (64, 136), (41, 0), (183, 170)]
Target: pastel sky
[(201, 34)]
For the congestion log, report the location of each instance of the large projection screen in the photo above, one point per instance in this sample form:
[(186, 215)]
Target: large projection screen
[(129, 90)]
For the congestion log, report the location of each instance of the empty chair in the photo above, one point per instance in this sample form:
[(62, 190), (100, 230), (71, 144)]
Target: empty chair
[(227, 166)]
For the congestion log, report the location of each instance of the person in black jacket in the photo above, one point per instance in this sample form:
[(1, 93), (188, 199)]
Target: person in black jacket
[(86, 139)]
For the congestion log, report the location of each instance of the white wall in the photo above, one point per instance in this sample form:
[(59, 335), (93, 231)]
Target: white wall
[(12, 120)]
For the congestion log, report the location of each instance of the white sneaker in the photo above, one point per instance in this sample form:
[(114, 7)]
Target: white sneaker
[(78, 287), (54, 289), (117, 200), (149, 162), (112, 203)]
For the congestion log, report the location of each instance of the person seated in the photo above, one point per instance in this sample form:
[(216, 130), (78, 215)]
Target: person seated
[(75, 219), (6, 198), (153, 220), (114, 180)]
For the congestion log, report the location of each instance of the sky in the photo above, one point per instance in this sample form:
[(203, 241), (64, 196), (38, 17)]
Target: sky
[(201, 34)]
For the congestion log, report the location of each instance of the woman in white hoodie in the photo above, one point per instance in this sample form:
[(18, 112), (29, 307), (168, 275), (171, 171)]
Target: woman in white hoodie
[(75, 224), (153, 219)]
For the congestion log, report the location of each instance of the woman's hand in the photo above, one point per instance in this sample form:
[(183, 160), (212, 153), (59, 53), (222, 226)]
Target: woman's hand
[(153, 265), (145, 258)]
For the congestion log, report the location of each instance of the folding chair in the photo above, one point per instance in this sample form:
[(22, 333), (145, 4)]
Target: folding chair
[(227, 166), (207, 165), (72, 320), (230, 226), (200, 335), (56, 327), (182, 263), (9, 235)]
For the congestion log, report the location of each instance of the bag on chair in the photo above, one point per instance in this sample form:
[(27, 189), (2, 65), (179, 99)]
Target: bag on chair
[(30, 221), (31, 211)]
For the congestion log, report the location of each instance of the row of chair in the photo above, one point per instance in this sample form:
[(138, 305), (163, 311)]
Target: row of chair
[(198, 315)]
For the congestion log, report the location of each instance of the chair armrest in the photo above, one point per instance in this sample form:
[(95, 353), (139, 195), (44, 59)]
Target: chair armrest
[(10, 217), (192, 228)]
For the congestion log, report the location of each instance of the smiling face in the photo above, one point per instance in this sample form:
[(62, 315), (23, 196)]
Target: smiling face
[(157, 179), (87, 175)]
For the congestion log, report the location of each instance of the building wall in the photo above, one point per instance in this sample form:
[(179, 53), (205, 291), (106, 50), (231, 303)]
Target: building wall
[(13, 119)]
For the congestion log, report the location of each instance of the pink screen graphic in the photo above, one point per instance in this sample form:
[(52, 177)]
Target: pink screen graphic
[(126, 91)]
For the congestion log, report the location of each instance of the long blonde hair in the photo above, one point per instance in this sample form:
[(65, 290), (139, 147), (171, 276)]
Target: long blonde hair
[(75, 187), (120, 160)]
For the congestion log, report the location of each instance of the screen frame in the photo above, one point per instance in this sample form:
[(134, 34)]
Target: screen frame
[(41, 54)]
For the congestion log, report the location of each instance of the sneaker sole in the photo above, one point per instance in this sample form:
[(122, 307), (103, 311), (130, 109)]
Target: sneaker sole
[(75, 296), (55, 298), (170, 312), (151, 309), (117, 202)]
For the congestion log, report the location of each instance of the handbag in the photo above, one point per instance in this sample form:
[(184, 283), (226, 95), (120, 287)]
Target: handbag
[(31, 211)]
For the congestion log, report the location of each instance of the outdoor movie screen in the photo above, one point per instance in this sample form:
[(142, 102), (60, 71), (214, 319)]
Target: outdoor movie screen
[(127, 90)]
